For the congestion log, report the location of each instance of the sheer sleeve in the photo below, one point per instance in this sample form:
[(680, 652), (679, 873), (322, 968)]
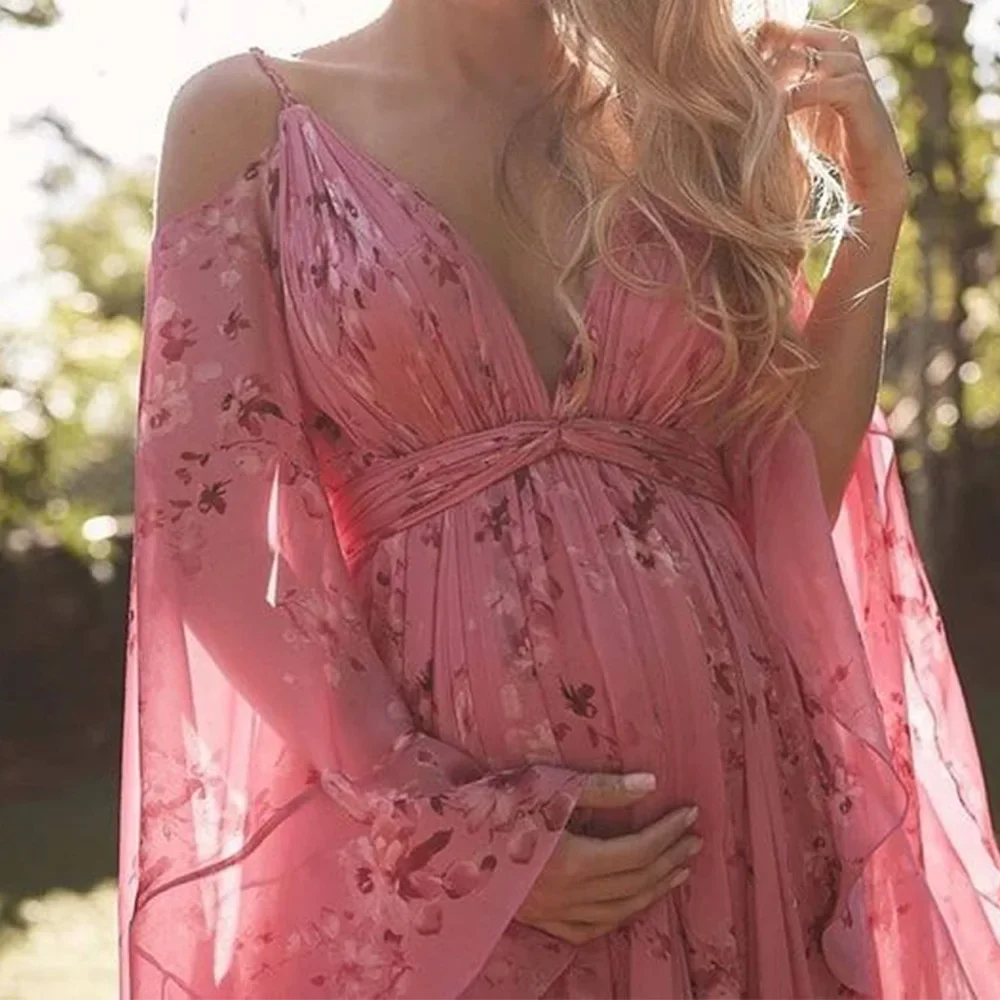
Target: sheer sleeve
[(285, 830), (909, 808)]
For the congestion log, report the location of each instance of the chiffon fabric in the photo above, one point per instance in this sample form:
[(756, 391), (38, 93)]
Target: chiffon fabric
[(390, 601)]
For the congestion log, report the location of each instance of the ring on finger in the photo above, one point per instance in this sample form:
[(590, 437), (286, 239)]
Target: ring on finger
[(813, 57)]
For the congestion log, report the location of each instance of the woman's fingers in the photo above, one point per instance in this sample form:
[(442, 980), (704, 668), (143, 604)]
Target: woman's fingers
[(775, 36), (618, 910), (590, 857), (784, 49), (574, 933), (791, 66), (627, 884), (591, 885), (844, 93), (608, 791)]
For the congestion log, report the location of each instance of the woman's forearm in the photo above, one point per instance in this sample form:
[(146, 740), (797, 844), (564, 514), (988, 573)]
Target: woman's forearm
[(846, 332)]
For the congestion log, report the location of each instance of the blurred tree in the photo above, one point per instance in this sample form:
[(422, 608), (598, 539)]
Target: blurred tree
[(943, 362), (68, 389), (942, 385), (81, 150), (32, 14)]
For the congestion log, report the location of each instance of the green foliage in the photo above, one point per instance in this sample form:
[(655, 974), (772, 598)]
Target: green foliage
[(68, 389), (945, 284)]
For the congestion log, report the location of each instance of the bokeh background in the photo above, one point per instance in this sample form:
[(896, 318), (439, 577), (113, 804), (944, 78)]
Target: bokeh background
[(84, 89)]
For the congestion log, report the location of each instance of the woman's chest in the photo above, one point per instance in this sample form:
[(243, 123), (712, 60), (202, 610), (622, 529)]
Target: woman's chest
[(405, 324)]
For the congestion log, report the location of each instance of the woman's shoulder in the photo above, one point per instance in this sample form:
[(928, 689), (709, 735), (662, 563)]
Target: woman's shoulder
[(221, 118)]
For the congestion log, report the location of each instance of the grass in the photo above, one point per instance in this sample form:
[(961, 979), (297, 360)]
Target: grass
[(57, 894)]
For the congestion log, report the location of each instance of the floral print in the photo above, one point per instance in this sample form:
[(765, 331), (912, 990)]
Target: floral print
[(389, 602)]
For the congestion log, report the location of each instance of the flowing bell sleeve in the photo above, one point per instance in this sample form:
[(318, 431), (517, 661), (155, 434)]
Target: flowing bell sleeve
[(918, 912), (285, 829)]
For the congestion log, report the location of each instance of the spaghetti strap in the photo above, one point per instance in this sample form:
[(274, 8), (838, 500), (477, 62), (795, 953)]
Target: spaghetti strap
[(284, 91)]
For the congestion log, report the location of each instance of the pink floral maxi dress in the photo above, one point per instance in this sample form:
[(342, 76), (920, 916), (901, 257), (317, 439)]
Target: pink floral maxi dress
[(389, 601)]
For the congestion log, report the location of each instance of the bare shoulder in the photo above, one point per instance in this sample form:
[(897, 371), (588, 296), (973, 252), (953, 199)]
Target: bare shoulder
[(220, 120)]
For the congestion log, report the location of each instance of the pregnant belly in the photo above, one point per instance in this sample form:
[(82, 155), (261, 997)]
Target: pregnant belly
[(607, 625)]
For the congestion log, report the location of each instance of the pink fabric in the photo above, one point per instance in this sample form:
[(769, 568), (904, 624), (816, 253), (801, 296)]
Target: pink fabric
[(389, 600)]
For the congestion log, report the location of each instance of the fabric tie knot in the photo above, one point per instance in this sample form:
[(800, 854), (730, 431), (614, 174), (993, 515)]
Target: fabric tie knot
[(398, 492)]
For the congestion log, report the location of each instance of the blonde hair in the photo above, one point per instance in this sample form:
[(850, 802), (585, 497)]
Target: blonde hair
[(709, 155)]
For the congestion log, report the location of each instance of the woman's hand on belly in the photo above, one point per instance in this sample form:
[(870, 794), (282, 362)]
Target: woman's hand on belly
[(590, 886)]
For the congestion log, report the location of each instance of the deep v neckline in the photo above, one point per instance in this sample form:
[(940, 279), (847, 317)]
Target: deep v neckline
[(551, 403)]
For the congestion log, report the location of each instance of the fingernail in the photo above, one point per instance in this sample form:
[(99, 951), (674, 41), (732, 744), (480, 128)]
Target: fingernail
[(640, 782), (691, 815), (680, 878), (696, 845)]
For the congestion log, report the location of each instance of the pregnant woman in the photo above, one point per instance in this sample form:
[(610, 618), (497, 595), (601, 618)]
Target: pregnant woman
[(523, 599)]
